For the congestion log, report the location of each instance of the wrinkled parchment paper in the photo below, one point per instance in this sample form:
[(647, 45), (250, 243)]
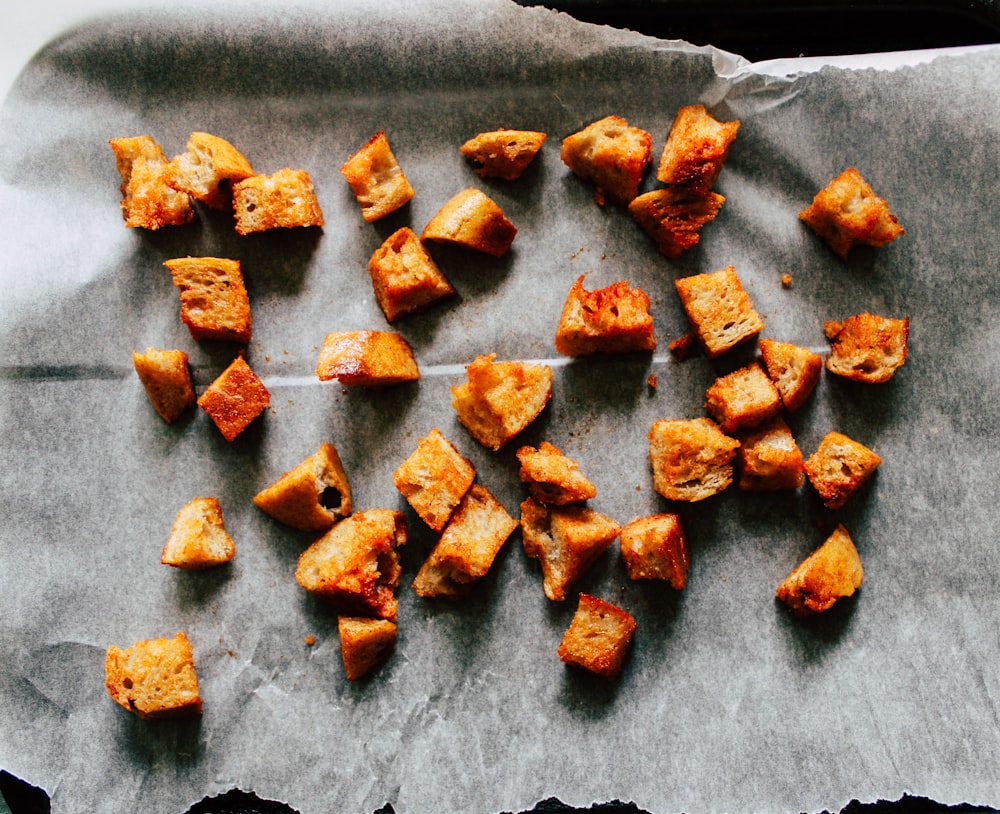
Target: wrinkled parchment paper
[(726, 703)]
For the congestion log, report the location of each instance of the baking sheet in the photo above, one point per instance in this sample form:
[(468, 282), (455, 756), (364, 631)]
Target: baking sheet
[(726, 703)]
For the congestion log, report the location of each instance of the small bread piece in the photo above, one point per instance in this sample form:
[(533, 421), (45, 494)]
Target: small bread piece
[(214, 299), (148, 201), (673, 217), (198, 538), (847, 212), (719, 309), (744, 398), (655, 547), (208, 170), (867, 348), (696, 148), (405, 277), (500, 398), (378, 182), (366, 359), (166, 378), (566, 540), (283, 200), (831, 572), (769, 459), (474, 221), (794, 370), (614, 319), (598, 637), (553, 478), (312, 496), (235, 398), (364, 643), (355, 565), (838, 468), (154, 678), (434, 478), (503, 154), (612, 155), (692, 459)]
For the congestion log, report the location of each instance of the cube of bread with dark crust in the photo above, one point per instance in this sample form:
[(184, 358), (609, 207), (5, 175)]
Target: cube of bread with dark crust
[(692, 459), (839, 467), (500, 399), (614, 319), (198, 538), (612, 155), (833, 571), (378, 182), (744, 398), (848, 212), (365, 643), (696, 148), (235, 398), (719, 309), (285, 199), (655, 547), (769, 459), (598, 637), (566, 541), (794, 370), (154, 678), (673, 217), (434, 479), (208, 170), (503, 154), (405, 277), (355, 565), (148, 201), (472, 220), (553, 478), (867, 348), (166, 378), (311, 496), (214, 300), (367, 359)]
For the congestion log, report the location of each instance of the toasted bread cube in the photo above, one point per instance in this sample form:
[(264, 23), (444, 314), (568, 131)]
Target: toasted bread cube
[(148, 201), (474, 221), (378, 182), (208, 170), (831, 572), (839, 467), (867, 348), (503, 154), (655, 547), (794, 370), (719, 309), (566, 540), (366, 359), (285, 199), (154, 678), (500, 398), (434, 478), (612, 155), (692, 459), (598, 637), (769, 459), (696, 148), (744, 398), (614, 319), (673, 217), (235, 398), (355, 565), (166, 378), (848, 212), (364, 644), (311, 496), (405, 277), (214, 300), (553, 478), (198, 538)]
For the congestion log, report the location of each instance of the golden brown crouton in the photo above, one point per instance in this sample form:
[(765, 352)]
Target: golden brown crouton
[(154, 678), (148, 201), (832, 571), (378, 182), (474, 221), (838, 468), (366, 359), (719, 309), (848, 212), (364, 643), (769, 459), (744, 398), (235, 398), (312, 496), (355, 565), (552, 477), (673, 217), (696, 149), (612, 155), (500, 398), (598, 637), (208, 170), (502, 153), (214, 300), (405, 277), (614, 319), (794, 370), (198, 538), (166, 378), (283, 200), (655, 547), (867, 348), (434, 478), (691, 459)]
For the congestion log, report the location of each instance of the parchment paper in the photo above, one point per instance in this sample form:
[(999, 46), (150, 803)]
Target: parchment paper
[(726, 703)]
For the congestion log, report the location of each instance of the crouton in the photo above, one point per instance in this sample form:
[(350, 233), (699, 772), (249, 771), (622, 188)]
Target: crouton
[(553, 478), (612, 155), (235, 398), (148, 201), (198, 538), (503, 154), (434, 478), (839, 467), (285, 199), (472, 220), (719, 309), (378, 182), (831, 572), (691, 458), (655, 547), (794, 370), (154, 678), (769, 459), (364, 644), (673, 217), (366, 359), (405, 277), (696, 148), (208, 170), (744, 398), (214, 300), (867, 348), (166, 378), (311, 496), (614, 319), (598, 637)]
